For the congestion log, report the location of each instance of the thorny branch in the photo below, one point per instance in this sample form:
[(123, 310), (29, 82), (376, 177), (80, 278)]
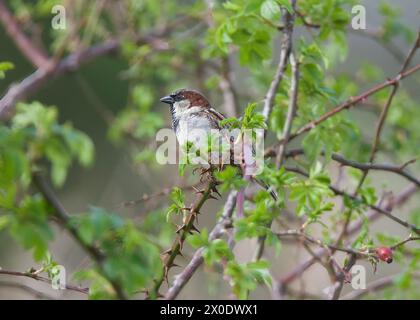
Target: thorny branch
[(168, 257), (197, 260)]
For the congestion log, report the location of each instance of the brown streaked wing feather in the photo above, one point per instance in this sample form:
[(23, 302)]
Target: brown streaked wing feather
[(216, 113)]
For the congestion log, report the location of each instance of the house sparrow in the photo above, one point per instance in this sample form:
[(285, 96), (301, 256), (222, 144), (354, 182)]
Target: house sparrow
[(193, 115)]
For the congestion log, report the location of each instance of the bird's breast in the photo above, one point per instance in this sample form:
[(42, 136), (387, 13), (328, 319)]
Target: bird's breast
[(192, 127)]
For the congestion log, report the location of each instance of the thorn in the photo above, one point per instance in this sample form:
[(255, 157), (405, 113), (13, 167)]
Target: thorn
[(193, 228), (181, 244), (165, 275), (214, 189), (174, 265), (167, 251), (180, 228), (180, 254), (213, 197), (197, 190), (195, 214)]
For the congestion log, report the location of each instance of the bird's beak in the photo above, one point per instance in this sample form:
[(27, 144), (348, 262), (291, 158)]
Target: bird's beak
[(167, 99)]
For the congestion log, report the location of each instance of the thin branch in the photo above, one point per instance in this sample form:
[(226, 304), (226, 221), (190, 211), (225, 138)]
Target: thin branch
[(372, 166), (359, 200), (271, 152), (197, 260), (374, 150), (402, 242), (163, 192), (35, 55), (41, 278), (71, 63), (306, 22), (374, 286), (303, 236), (384, 112), (291, 111), (64, 218), (286, 46), (27, 289), (354, 100), (226, 85), (391, 203)]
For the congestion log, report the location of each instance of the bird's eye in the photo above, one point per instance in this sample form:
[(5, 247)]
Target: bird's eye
[(177, 97)]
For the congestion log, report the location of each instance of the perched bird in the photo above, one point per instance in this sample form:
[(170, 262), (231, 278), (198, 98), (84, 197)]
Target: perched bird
[(191, 110), (192, 114)]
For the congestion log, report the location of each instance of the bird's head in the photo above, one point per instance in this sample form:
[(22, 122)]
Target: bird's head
[(184, 99)]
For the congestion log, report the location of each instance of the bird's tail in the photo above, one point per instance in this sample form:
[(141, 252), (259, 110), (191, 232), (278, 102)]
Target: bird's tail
[(264, 185)]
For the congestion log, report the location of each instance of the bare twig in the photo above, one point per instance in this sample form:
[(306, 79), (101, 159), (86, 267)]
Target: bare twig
[(397, 169), (303, 236), (71, 63), (147, 197), (372, 166), (408, 239), (286, 46), (291, 111), (35, 55), (354, 100), (384, 112), (226, 84), (374, 286), (41, 278), (359, 200)]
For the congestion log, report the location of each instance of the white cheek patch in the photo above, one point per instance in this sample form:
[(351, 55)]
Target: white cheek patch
[(181, 107)]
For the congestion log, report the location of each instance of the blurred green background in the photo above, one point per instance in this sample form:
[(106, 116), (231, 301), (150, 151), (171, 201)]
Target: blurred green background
[(83, 96)]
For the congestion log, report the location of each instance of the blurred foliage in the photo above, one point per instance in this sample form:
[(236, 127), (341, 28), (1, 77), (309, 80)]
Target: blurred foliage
[(172, 44)]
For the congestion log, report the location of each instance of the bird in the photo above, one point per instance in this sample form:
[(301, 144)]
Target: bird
[(192, 115)]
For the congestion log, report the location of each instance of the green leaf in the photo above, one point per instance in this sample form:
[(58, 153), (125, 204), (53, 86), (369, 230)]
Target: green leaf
[(270, 10), (286, 4), (5, 66)]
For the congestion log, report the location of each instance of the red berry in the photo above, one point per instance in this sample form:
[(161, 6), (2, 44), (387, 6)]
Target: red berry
[(384, 254)]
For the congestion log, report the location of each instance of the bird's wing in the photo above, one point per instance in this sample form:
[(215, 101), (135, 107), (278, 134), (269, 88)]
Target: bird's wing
[(216, 113)]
